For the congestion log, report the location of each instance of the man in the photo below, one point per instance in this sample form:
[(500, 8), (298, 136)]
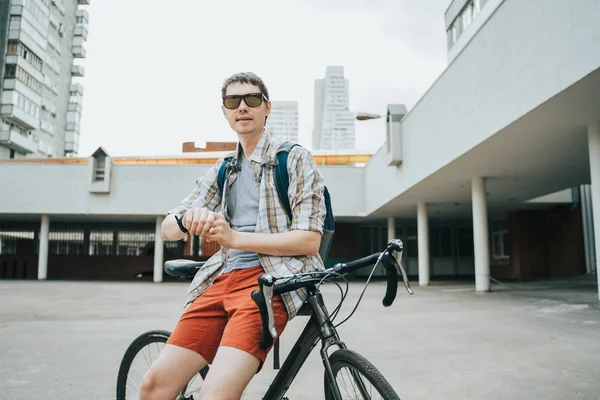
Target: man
[(222, 324)]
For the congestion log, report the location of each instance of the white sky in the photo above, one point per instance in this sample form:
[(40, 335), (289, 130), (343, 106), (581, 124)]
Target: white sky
[(154, 69)]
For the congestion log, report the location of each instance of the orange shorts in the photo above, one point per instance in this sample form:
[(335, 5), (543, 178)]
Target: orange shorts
[(226, 315)]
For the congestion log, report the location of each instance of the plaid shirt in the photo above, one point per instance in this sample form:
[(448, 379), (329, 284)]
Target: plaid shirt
[(307, 202)]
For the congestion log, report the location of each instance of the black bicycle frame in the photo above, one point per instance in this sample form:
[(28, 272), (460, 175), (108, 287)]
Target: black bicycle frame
[(319, 327)]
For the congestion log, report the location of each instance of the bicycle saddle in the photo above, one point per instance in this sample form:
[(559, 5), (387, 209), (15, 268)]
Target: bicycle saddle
[(182, 268)]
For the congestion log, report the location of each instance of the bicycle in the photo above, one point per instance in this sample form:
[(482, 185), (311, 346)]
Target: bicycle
[(361, 373)]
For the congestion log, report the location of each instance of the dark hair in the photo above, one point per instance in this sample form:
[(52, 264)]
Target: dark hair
[(245, 77)]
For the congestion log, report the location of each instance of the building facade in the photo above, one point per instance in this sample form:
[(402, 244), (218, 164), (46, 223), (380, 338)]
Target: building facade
[(333, 127), (282, 122), (493, 174), (41, 93)]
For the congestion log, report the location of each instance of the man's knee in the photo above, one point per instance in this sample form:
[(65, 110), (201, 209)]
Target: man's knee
[(150, 385)]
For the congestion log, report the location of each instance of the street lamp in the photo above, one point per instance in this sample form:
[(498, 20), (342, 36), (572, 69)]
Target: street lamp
[(362, 116)]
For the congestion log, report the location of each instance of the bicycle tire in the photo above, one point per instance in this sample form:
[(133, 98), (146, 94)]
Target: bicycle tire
[(146, 338), (344, 358)]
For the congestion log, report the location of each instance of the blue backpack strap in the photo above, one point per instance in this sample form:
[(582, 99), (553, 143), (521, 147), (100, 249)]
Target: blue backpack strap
[(282, 178), (222, 173)]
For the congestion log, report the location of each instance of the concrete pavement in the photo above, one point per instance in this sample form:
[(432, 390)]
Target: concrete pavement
[(64, 340)]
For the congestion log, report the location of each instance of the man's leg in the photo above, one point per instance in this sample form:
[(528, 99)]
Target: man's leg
[(229, 374), (194, 341), (172, 370)]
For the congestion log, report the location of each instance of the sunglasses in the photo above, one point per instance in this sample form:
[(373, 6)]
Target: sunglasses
[(251, 99)]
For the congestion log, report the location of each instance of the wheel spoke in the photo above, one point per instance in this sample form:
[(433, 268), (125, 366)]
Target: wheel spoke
[(356, 378), (150, 355), (136, 386)]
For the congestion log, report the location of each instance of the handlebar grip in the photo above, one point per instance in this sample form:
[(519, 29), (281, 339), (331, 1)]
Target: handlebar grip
[(392, 280), (259, 299)]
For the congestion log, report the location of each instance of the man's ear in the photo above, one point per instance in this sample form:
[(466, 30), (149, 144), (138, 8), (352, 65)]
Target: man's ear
[(268, 107), (223, 110)]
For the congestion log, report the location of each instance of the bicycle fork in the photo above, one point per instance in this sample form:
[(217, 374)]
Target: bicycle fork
[(329, 338)]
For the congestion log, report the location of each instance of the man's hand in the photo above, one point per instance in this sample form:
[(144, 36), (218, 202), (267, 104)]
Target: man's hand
[(221, 232), (198, 221)]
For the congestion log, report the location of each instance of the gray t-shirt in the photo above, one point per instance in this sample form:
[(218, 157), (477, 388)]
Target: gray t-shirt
[(242, 204)]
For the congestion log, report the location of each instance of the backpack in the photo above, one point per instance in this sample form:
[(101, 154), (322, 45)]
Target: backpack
[(282, 183)]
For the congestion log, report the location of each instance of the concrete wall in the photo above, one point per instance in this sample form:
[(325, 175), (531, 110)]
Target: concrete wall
[(136, 189), (4, 152), (487, 10), (527, 52)]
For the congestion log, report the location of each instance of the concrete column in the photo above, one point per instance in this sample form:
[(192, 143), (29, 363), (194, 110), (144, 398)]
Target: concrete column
[(115, 245), (391, 221), (158, 251), (480, 236), (594, 149), (43, 253), (86, 241), (423, 241)]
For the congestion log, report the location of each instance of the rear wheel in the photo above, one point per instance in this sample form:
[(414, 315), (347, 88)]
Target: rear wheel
[(357, 378), (138, 358)]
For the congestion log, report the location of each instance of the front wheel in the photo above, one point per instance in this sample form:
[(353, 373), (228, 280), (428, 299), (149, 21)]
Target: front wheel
[(357, 378), (138, 358)]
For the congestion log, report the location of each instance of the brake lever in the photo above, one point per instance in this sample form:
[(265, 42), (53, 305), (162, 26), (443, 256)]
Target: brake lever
[(266, 283), (404, 277)]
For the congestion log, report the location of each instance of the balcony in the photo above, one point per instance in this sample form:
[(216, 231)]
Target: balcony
[(83, 2), (83, 14), (76, 88), (71, 136), (78, 52), (71, 147), (78, 41), (81, 30), (19, 117), (71, 142), (77, 70), (73, 127), (13, 59), (17, 141), (74, 107)]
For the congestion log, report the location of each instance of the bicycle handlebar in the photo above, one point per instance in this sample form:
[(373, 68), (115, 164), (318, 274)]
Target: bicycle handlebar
[(263, 297)]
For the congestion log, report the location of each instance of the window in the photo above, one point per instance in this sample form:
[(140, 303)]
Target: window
[(10, 71), (99, 167), (25, 104), (47, 127), (20, 49), (371, 239), (65, 240), (23, 76), (463, 20), (55, 43), (500, 244), (465, 242), (412, 242), (15, 237), (51, 62), (440, 241), (17, 23)]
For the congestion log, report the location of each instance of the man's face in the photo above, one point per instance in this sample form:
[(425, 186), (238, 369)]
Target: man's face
[(244, 119)]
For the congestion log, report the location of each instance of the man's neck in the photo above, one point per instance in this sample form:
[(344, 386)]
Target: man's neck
[(249, 142)]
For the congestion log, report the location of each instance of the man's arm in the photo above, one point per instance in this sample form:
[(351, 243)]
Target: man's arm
[(292, 243), (205, 195)]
